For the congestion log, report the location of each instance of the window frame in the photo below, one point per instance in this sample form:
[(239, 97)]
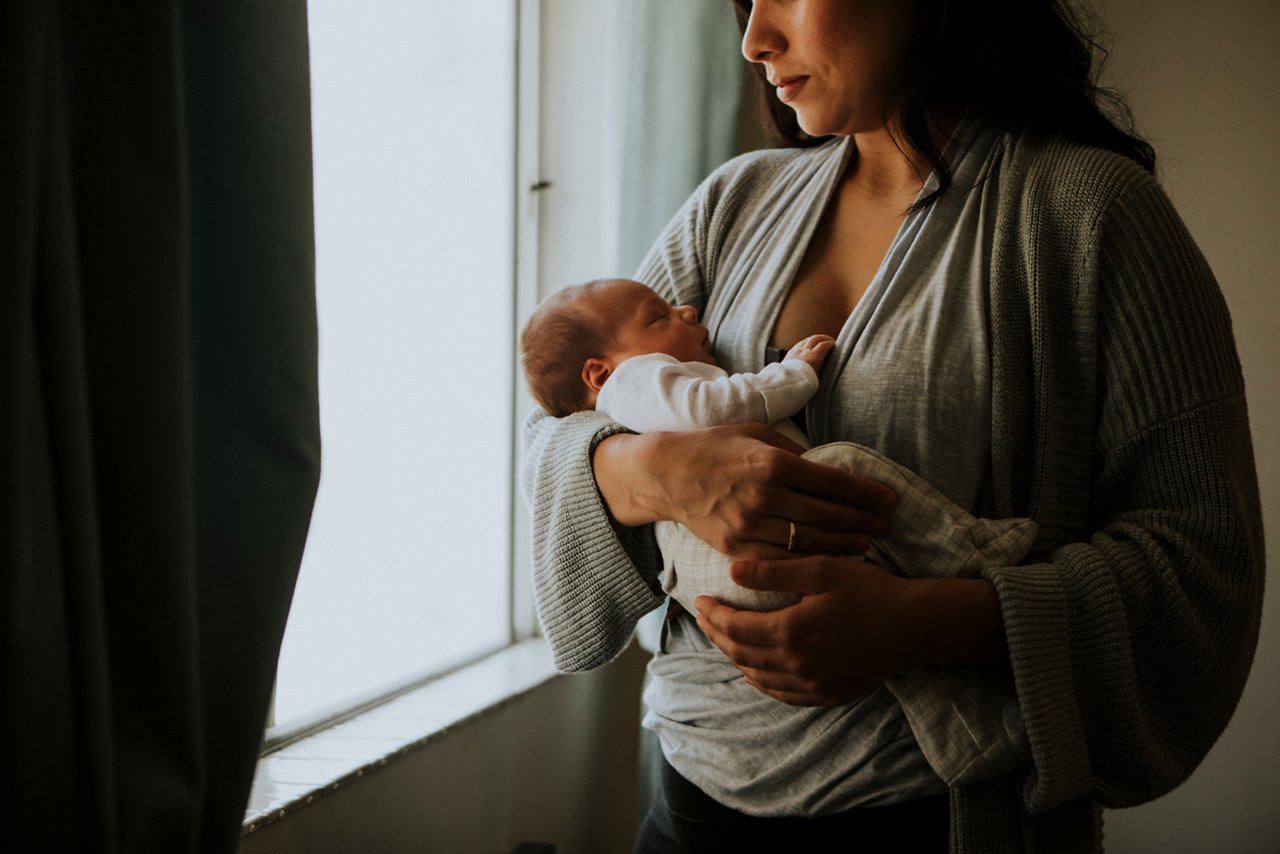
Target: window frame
[(526, 193)]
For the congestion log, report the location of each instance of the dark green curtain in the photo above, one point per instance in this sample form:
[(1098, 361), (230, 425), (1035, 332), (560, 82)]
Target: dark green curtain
[(159, 438)]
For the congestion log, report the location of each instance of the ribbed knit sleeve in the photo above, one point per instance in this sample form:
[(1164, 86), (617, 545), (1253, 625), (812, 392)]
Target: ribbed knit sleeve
[(1130, 646), (592, 579)]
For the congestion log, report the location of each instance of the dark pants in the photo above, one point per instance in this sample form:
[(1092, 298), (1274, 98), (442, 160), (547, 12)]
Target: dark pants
[(684, 819)]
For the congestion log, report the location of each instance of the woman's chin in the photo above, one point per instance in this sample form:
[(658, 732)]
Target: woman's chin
[(814, 125)]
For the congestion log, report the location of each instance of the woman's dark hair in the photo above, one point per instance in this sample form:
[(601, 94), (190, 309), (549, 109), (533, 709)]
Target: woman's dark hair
[(1025, 64)]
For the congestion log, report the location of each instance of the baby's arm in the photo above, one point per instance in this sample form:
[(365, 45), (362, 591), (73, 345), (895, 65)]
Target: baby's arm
[(657, 392)]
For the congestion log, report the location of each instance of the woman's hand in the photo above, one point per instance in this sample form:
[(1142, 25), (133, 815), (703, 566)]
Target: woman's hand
[(739, 489), (854, 627)]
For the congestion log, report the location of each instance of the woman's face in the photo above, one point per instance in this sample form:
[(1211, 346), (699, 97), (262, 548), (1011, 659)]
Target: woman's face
[(832, 61)]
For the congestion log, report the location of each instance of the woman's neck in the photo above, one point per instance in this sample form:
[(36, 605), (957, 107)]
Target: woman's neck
[(880, 168), (883, 168)]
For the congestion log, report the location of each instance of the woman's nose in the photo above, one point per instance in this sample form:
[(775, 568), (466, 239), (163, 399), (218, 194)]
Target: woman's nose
[(761, 38)]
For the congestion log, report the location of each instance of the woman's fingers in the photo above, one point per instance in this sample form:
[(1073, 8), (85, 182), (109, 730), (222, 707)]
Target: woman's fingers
[(737, 632), (795, 575), (746, 637), (828, 499), (740, 488), (759, 526), (847, 634), (742, 635), (774, 535), (826, 514), (794, 699), (771, 437), (815, 541), (790, 689), (829, 490), (782, 538), (833, 484)]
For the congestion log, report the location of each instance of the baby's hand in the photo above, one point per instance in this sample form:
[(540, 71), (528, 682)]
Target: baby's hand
[(812, 350)]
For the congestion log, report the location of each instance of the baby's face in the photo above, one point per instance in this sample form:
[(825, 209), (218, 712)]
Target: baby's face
[(644, 322)]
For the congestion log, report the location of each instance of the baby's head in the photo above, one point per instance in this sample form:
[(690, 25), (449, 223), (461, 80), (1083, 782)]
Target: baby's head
[(579, 335)]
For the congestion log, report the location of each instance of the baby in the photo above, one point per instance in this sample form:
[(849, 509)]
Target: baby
[(616, 346)]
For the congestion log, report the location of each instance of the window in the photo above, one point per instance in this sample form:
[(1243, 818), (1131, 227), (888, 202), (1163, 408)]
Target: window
[(407, 566)]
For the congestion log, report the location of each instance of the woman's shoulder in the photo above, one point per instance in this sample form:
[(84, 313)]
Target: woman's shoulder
[(1066, 176)]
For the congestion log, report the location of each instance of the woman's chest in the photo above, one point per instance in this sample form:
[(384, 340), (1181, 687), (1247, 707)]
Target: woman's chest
[(842, 258), (911, 372)]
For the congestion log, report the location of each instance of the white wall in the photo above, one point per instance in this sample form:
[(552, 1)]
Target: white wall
[(1204, 80)]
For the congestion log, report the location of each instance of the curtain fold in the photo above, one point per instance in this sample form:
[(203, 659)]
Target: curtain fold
[(256, 411), (682, 110), (158, 410)]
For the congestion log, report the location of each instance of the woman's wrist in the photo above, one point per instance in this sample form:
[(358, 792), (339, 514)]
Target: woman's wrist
[(959, 620), (621, 466)]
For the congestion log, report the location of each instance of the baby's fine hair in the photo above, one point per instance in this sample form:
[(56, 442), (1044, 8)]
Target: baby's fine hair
[(556, 342)]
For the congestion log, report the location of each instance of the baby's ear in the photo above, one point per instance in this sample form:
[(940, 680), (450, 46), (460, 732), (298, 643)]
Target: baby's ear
[(595, 372)]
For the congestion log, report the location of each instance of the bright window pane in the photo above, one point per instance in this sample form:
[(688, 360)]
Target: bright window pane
[(406, 567)]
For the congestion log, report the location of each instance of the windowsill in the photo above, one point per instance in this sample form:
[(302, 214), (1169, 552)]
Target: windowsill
[(303, 771)]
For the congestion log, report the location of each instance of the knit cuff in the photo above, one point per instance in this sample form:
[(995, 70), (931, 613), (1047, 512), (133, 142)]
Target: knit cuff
[(1032, 602), (588, 586)]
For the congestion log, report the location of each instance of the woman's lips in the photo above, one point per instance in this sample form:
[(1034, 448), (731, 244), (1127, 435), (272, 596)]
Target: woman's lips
[(789, 88)]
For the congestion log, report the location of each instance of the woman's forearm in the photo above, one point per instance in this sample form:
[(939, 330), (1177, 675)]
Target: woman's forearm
[(959, 619)]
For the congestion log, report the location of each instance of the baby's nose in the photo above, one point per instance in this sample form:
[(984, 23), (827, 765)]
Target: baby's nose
[(688, 313)]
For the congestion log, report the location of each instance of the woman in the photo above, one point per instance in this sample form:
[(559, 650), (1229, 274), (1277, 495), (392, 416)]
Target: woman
[(1022, 319)]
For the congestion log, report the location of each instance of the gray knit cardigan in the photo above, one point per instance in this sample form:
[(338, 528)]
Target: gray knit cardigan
[(1118, 423)]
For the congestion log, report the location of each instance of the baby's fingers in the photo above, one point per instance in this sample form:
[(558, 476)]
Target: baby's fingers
[(822, 348), (810, 344)]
